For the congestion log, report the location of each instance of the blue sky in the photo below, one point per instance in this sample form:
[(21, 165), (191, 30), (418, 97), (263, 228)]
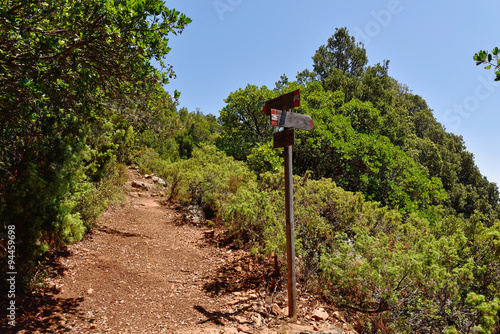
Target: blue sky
[(430, 45)]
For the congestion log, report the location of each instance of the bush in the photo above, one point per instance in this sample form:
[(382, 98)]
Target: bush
[(167, 148), (149, 161), (94, 198), (265, 159), (254, 217), (204, 179), (398, 274)]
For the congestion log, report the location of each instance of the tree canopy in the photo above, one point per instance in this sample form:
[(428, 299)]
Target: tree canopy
[(243, 122), (372, 135)]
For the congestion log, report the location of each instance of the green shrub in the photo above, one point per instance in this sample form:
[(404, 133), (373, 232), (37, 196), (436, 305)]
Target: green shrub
[(265, 159), (149, 161), (167, 147), (398, 272), (92, 199), (253, 216), (206, 178)]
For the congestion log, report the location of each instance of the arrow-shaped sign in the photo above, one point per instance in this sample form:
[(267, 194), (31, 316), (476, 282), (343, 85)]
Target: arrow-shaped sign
[(283, 102), (287, 119)]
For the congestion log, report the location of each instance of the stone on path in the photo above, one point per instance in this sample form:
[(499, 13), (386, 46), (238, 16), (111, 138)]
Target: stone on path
[(320, 314)]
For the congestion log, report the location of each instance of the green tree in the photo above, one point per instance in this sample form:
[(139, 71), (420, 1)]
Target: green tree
[(64, 64), (340, 53), (346, 145), (197, 129), (342, 64), (405, 119), (373, 135), (244, 125)]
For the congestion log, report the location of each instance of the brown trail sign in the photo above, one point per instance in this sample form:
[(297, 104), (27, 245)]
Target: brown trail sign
[(276, 109), (283, 102)]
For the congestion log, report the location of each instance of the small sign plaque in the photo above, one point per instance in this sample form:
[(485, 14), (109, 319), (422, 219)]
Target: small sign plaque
[(284, 138), (287, 119)]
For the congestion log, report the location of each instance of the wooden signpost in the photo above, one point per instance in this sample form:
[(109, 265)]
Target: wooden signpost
[(278, 110)]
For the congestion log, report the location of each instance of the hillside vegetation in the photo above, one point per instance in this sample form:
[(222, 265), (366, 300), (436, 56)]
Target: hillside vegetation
[(394, 221)]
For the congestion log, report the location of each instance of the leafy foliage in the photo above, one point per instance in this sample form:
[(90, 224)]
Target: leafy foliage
[(265, 159), (176, 134), (340, 53), (345, 144), (372, 135), (205, 179), (490, 60)]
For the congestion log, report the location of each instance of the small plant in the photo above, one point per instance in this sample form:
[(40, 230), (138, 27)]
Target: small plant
[(37, 281)]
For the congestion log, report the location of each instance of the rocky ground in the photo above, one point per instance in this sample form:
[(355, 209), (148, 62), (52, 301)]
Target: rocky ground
[(154, 268)]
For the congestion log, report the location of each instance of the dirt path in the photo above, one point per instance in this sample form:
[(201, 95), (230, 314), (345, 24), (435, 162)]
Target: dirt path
[(144, 272)]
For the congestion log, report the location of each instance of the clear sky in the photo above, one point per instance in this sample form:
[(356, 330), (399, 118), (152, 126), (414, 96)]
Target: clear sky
[(430, 45)]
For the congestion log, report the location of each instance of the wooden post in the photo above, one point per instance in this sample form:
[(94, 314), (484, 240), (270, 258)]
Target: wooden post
[(290, 235), (279, 116)]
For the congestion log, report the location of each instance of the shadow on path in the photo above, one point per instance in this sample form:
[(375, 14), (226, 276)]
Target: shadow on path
[(44, 314), (216, 317), (41, 311), (243, 273), (113, 231)]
